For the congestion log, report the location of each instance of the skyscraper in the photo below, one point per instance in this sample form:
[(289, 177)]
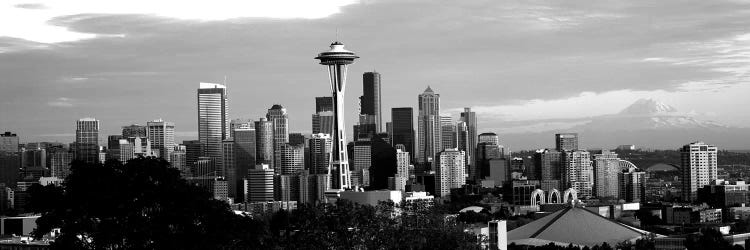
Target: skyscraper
[(134, 130), (463, 140), (280, 120), (578, 173), (292, 159), (548, 168), (213, 120), (264, 142), (370, 99), (228, 169), (448, 133), (402, 120), (87, 140), (244, 153), (259, 184), (450, 172), (486, 151), (470, 119), (337, 59), (178, 158), (491, 138), (606, 171), (8, 142), (632, 185), (193, 150), (161, 135), (322, 120), (60, 163), (323, 104), (320, 153), (428, 126), (566, 141), (362, 160), (698, 168)]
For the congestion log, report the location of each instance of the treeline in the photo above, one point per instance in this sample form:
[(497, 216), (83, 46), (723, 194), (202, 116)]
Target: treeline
[(144, 204)]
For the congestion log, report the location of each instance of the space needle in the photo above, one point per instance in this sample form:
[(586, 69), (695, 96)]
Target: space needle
[(337, 59)]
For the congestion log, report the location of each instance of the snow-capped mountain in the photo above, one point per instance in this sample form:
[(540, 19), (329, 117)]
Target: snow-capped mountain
[(647, 114)]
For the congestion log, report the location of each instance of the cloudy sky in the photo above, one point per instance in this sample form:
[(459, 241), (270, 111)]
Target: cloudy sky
[(515, 62)]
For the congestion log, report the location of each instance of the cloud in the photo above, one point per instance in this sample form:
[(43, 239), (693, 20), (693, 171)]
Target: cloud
[(36, 26), (61, 102)]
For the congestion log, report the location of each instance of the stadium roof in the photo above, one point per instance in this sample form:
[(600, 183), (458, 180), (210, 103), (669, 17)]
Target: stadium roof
[(574, 225)]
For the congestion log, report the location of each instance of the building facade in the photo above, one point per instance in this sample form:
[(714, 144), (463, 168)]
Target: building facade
[(698, 168), (450, 172), (429, 133)]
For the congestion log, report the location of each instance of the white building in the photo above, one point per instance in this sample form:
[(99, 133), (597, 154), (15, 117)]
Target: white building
[(450, 172), (578, 172), (698, 168)]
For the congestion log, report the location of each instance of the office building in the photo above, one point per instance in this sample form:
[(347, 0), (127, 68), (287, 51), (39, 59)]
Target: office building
[(322, 122), (259, 184), (485, 152), (450, 172), (724, 194), (161, 135), (566, 141), (9, 142), (698, 168), (134, 130), (448, 132), (87, 140), (60, 163), (337, 59), (402, 126), (292, 159), (320, 153), (238, 123), (228, 169), (323, 104), (428, 126), (361, 161), (178, 158), (548, 168), (213, 120), (578, 173), (244, 153), (499, 171), (370, 100), (193, 150), (10, 162), (278, 117), (498, 234), (264, 142), (469, 118), (606, 172), (632, 185), (130, 148)]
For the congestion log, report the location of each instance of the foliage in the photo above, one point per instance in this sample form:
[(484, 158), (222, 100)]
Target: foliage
[(143, 204)]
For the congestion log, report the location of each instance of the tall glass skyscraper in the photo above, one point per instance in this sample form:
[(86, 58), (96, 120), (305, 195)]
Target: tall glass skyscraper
[(428, 126), (470, 119), (161, 135), (87, 140), (280, 120), (402, 128), (370, 100), (213, 120), (264, 142)]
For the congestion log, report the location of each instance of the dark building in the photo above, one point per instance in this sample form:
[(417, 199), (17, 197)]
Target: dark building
[(723, 194), (297, 139), (566, 141), (402, 120), (323, 104), (384, 163), (470, 119), (10, 163), (193, 151), (370, 100), (134, 130), (486, 151), (244, 153)]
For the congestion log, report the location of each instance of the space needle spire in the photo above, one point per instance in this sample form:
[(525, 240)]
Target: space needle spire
[(337, 59)]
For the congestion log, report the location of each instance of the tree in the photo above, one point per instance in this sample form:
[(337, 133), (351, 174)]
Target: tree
[(143, 204)]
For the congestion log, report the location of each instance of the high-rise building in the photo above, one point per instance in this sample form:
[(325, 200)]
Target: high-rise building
[(402, 128), (87, 140), (193, 150), (130, 148), (370, 100), (499, 171), (322, 122), (606, 171), (448, 132), (297, 139), (292, 159), (450, 172), (161, 136), (178, 158), (323, 104), (632, 185), (320, 153), (228, 169), (337, 59), (264, 142), (547, 168), (578, 173), (113, 146), (134, 130), (462, 139), (278, 117), (470, 119), (60, 163), (566, 141), (428, 126), (244, 153), (238, 123), (10, 162), (491, 138), (213, 120), (259, 184), (486, 151), (698, 168), (403, 161), (9, 142), (362, 160)]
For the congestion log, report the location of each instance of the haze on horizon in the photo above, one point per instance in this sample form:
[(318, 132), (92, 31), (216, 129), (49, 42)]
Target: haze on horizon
[(544, 65)]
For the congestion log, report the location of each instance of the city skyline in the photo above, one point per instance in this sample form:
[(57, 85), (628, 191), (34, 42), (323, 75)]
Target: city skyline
[(578, 82)]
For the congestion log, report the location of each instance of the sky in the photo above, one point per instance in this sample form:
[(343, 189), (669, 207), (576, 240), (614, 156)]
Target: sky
[(516, 63)]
